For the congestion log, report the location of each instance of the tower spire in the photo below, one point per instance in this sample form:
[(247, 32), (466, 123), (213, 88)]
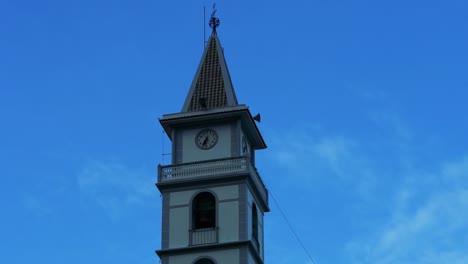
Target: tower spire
[(212, 86)]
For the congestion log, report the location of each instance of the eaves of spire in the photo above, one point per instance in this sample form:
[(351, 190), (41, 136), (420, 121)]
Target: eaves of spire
[(212, 86)]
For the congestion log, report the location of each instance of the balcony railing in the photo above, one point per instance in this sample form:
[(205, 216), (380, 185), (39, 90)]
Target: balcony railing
[(215, 168), (203, 236)]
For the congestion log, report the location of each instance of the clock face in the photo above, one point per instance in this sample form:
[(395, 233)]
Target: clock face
[(206, 139)]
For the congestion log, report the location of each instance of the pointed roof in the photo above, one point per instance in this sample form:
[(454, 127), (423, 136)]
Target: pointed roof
[(212, 86)]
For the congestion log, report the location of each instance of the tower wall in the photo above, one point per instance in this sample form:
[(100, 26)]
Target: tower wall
[(186, 149), (213, 196), (227, 210), (250, 201), (229, 256)]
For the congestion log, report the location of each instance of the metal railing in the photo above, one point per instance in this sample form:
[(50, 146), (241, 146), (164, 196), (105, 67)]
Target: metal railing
[(215, 168), (203, 236)]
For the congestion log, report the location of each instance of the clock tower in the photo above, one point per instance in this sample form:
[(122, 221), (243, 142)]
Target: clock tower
[(213, 197)]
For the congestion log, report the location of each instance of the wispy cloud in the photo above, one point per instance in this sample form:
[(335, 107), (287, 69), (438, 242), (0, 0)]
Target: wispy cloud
[(416, 213), (114, 186), (313, 156), (303, 146), (428, 224)]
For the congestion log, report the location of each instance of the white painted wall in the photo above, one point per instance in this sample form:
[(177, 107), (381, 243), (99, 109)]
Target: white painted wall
[(227, 192), (181, 198), (260, 213), (228, 221), (221, 150), (178, 227), (230, 256), (228, 215), (249, 214), (223, 193)]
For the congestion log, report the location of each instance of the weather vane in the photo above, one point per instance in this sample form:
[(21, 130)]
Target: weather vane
[(214, 21)]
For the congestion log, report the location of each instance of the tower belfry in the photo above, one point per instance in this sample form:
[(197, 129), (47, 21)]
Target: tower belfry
[(213, 197)]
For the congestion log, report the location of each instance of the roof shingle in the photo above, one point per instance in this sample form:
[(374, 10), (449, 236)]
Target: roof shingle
[(212, 85)]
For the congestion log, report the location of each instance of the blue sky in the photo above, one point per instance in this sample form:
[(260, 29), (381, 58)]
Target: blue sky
[(363, 108)]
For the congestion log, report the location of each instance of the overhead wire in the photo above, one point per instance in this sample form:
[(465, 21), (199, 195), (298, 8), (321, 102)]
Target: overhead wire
[(291, 228)]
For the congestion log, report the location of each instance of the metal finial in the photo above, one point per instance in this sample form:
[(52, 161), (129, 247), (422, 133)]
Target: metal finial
[(214, 21)]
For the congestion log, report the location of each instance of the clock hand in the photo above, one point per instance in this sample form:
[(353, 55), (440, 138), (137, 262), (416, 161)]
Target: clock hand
[(205, 141)]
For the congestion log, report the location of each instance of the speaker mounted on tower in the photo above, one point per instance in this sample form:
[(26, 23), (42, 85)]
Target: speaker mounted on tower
[(257, 118)]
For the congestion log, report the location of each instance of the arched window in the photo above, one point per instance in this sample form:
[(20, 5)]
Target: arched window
[(254, 222), (204, 211), (204, 261)]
